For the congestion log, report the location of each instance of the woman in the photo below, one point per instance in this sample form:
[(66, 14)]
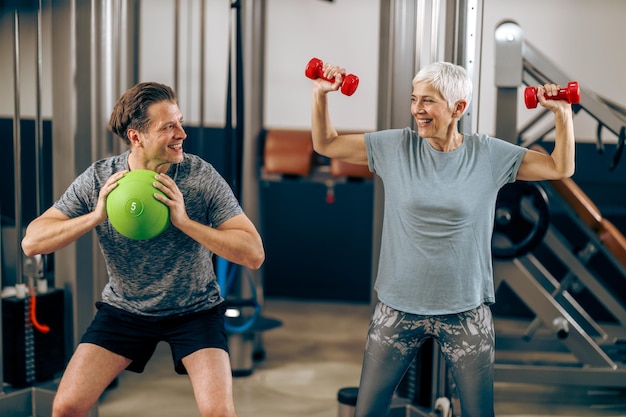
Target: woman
[(435, 276)]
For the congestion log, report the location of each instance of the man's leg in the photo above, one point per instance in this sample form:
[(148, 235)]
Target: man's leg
[(89, 372), (211, 377)]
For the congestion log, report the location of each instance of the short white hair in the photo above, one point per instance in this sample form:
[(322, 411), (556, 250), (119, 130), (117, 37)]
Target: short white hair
[(450, 80)]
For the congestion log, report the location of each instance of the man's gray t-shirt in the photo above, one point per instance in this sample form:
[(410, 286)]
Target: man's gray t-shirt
[(170, 274), (435, 255)]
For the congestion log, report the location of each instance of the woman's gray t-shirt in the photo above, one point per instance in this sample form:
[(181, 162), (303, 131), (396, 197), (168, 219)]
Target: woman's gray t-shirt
[(170, 274), (435, 255)]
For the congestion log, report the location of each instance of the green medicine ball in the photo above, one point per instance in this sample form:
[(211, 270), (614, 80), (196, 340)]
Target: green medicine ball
[(132, 209)]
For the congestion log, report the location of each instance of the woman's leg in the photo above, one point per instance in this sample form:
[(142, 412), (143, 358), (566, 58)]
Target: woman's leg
[(468, 343), (392, 341)]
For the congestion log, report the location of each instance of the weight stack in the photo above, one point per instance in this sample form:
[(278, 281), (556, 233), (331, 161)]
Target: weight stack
[(29, 355)]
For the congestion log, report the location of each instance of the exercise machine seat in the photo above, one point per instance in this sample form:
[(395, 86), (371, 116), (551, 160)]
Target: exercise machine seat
[(288, 152), (339, 168)]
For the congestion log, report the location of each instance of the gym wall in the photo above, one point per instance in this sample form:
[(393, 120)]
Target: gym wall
[(575, 33)]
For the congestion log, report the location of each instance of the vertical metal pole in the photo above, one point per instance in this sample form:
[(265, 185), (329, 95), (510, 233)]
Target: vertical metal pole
[(99, 24), (189, 54), (133, 11), (400, 41), (202, 74), (435, 39), (39, 142), (176, 45), (28, 331), (253, 43), (239, 97), (104, 38), (38, 119), (118, 34), (253, 17), (1, 330), (508, 77), (71, 150), (469, 39), (17, 160)]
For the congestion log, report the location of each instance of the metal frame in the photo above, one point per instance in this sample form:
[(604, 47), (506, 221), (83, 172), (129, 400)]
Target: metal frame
[(90, 63), (591, 345), (577, 261), (519, 62), (591, 365), (36, 401), (253, 33), (534, 285)]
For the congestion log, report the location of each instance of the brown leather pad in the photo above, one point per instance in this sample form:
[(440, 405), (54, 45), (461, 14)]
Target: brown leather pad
[(613, 239), (288, 152), (339, 168)]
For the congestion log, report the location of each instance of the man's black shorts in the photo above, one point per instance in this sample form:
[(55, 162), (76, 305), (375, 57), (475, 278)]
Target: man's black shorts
[(135, 337)]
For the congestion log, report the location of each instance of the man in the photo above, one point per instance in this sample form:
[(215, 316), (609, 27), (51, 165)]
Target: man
[(161, 289)]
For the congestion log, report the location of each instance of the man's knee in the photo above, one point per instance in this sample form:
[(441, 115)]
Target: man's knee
[(217, 410), (66, 407)]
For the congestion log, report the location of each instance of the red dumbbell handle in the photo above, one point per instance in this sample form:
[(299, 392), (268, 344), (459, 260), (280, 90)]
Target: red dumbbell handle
[(315, 70), (571, 93)]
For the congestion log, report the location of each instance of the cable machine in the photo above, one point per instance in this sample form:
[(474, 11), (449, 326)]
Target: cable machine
[(92, 54)]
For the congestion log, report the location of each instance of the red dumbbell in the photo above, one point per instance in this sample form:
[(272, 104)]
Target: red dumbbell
[(571, 93), (315, 69)]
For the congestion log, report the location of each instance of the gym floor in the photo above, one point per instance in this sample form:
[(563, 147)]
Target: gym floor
[(316, 351)]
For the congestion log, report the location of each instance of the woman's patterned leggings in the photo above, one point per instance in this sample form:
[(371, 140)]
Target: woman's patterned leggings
[(467, 344)]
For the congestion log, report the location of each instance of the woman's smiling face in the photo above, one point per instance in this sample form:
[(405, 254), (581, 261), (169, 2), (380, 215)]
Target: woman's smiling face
[(430, 110)]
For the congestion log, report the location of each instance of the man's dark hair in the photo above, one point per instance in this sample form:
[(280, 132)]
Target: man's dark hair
[(131, 109)]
